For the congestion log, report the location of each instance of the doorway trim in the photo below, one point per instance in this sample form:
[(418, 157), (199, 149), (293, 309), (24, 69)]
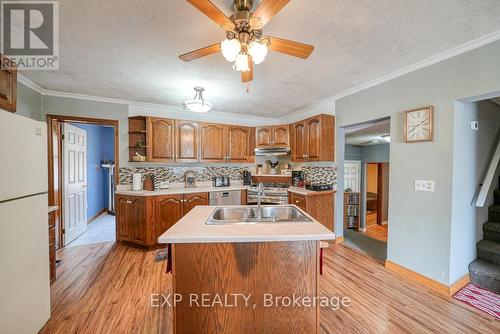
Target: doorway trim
[(54, 159)]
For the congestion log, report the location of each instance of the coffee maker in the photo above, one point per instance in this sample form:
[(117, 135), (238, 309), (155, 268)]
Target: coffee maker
[(247, 178)]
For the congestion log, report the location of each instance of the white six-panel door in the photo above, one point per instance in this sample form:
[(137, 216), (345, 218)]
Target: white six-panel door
[(352, 175), (75, 182)]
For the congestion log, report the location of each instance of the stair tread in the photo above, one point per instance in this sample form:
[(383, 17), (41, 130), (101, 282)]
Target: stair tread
[(489, 246), (492, 226), (484, 268)]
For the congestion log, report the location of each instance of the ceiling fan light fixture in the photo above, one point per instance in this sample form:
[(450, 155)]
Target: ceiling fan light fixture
[(230, 49), (241, 63), (258, 51), (198, 104)]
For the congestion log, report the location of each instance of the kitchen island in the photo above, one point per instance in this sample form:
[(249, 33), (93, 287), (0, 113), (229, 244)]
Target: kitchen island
[(245, 277)]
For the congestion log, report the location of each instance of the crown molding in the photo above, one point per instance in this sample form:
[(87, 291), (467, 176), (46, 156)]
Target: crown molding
[(321, 106)]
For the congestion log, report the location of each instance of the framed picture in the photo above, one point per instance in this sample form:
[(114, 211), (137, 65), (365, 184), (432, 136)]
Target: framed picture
[(419, 125)]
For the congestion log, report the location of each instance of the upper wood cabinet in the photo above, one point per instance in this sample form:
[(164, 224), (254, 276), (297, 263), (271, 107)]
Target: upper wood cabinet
[(226, 143), (273, 136), (8, 88), (239, 144), (313, 139), (186, 141), (160, 139), (213, 142)]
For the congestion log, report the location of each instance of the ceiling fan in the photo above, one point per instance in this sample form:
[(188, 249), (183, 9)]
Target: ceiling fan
[(245, 43)]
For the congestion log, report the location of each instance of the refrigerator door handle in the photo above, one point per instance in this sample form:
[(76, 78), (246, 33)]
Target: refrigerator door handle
[(22, 197)]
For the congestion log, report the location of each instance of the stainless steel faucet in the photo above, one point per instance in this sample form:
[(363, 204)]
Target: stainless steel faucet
[(260, 192)]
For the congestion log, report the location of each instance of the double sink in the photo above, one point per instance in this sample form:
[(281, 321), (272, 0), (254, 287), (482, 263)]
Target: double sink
[(256, 215)]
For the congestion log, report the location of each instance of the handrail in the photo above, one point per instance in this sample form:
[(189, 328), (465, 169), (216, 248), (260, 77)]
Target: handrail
[(488, 179)]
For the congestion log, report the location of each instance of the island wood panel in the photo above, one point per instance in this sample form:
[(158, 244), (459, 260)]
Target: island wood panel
[(190, 201), (107, 287), (186, 141), (280, 268), (213, 142), (160, 139)]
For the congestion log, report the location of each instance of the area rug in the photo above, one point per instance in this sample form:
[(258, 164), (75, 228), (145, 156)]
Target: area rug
[(481, 299), (360, 242), (161, 255)]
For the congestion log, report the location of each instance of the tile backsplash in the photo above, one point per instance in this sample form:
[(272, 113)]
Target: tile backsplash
[(327, 175)]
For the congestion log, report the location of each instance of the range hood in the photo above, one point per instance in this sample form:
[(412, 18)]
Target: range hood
[(272, 151)]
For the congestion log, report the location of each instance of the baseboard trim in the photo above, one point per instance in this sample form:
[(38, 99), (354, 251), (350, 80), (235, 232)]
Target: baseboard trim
[(339, 240), (439, 287), (97, 215)]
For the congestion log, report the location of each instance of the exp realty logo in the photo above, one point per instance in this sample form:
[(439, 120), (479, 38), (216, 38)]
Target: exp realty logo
[(30, 35)]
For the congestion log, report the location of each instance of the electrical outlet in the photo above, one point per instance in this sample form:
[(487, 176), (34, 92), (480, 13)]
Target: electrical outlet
[(474, 125), (164, 184), (424, 185)]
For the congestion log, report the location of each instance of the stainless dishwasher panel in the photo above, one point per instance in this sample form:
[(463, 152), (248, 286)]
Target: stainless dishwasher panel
[(231, 197)]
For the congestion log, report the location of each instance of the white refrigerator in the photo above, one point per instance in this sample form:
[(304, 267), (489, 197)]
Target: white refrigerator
[(24, 244)]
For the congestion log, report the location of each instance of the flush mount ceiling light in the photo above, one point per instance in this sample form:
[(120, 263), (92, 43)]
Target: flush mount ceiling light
[(198, 103), (245, 44)]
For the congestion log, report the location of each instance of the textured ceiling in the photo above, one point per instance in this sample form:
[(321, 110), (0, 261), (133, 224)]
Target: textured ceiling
[(371, 134), (128, 49)]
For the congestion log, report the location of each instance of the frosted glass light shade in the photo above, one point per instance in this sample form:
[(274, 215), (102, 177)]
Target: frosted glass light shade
[(230, 49), (258, 51), (241, 63)]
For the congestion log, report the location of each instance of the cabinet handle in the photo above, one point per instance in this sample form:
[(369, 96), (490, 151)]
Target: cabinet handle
[(129, 202), (297, 202)]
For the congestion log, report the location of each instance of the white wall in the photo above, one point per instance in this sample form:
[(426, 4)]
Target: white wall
[(420, 222), (472, 151)]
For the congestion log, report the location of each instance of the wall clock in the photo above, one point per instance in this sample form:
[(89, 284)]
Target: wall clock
[(419, 125)]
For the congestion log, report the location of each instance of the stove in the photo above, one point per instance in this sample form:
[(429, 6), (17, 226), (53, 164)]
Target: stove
[(274, 193)]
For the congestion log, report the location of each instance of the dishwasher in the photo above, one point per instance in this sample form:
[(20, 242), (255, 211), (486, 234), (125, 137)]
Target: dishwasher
[(221, 198)]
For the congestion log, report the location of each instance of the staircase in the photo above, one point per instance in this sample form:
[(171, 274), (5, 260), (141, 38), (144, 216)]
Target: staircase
[(485, 270)]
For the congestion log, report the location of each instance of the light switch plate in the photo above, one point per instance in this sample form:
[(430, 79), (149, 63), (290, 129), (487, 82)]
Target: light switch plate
[(424, 185)]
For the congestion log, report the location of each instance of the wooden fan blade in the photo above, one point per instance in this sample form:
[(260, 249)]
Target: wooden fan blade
[(214, 13), (248, 75), (291, 48), (208, 50), (268, 9)]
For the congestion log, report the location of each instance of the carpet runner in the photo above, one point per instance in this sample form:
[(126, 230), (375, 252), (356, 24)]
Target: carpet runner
[(481, 299)]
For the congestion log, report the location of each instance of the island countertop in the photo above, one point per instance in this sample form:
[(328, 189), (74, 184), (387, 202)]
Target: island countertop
[(192, 229)]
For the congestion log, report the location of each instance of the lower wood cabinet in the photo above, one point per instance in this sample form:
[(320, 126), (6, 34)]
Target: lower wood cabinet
[(318, 205), (140, 220), (52, 246)]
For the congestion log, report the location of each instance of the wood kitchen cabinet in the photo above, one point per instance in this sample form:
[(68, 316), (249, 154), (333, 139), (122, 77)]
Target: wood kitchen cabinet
[(140, 220), (313, 139), (318, 204), (272, 136), (226, 143), (186, 140), (8, 87), (160, 139), (135, 221), (52, 246)]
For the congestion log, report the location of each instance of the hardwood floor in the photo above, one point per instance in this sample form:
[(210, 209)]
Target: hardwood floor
[(105, 288), (378, 232)]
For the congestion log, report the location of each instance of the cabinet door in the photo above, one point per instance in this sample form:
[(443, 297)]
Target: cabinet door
[(298, 200), (186, 141), (122, 218), (137, 220), (299, 141), (238, 144), (314, 140), (281, 135), (8, 85), (192, 200), (160, 139), (213, 142), (263, 137), (168, 212)]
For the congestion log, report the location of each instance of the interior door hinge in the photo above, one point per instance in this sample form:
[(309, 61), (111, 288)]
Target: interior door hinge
[(62, 137), (63, 231)]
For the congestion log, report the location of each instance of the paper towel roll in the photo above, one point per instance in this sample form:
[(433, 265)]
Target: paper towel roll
[(136, 181)]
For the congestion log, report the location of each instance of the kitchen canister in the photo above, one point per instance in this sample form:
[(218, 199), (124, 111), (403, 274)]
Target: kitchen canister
[(136, 181)]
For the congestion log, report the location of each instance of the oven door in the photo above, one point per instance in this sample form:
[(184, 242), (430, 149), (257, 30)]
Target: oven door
[(267, 200)]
